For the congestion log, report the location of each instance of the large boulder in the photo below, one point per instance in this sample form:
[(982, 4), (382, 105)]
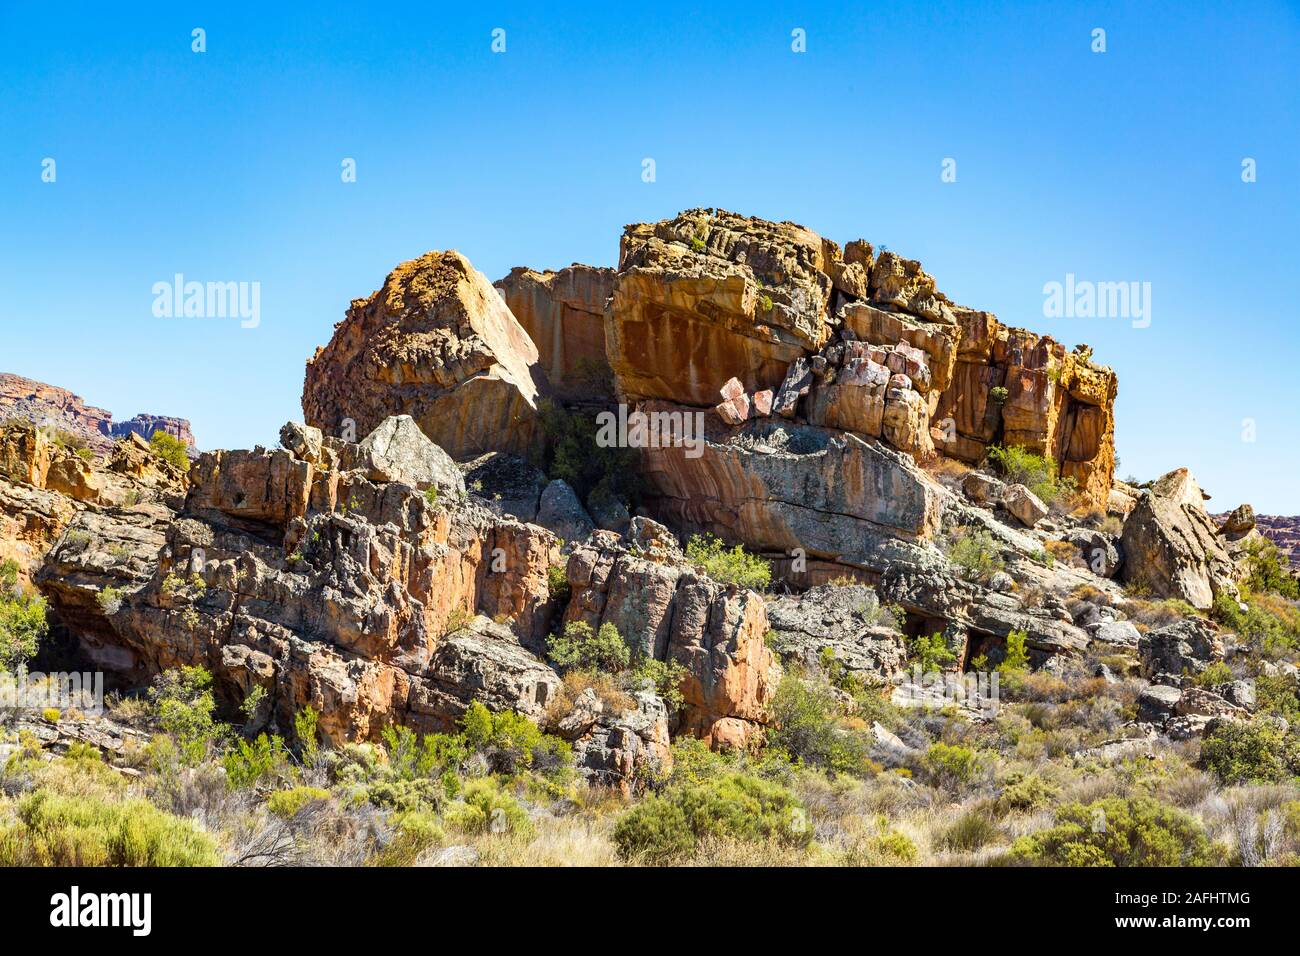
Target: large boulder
[(779, 488), (438, 343), (1186, 646), (397, 450), (710, 294), (1172, 547)]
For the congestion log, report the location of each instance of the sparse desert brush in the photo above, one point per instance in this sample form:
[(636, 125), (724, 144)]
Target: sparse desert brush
[(1149, 614)]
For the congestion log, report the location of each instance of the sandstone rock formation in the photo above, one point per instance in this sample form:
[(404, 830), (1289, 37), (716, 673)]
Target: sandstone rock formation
[(438, 343), (564, 314), (61, 410), (1172, 546), (665, 609)]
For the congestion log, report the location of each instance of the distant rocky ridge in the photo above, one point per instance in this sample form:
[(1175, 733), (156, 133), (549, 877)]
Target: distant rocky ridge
[(1282, 530), (59, 408)]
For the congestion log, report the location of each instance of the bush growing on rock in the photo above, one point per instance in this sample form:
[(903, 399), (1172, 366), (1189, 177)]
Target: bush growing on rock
[(736, 566), (22, 627), (1118, 831), (931, 653), (1270, 624), (1023, 467), (806, 727), (976, 553), (170, 449), (1268, 572), (578, 648)]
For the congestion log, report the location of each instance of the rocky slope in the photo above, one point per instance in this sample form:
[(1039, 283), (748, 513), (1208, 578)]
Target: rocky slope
[(47, 405), (405, 552)]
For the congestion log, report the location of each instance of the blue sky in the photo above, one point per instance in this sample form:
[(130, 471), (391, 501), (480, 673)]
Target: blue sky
[(225, 165)]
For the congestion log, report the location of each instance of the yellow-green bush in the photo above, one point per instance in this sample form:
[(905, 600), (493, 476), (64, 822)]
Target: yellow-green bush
[(53, 829), (1115, 831), (287, 803)]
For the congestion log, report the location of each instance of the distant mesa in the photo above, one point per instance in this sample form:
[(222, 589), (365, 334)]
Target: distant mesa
[(49, 405)]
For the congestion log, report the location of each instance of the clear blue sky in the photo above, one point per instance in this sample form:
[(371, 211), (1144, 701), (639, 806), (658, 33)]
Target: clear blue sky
[(226, 166)]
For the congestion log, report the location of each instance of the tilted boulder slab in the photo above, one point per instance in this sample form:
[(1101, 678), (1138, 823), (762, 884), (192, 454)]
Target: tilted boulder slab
[(844, 618), (564, 314), (1172, 546), (779, 487), (438, 343)]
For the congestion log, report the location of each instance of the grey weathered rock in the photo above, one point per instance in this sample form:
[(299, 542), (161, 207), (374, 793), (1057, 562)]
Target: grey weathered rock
[(1157, 703), (560, 511), (845, 619), (1172, 546), (1027, 507), (398, 451), (625, 750), (1189, 645), (508, 484), (983, 489), (1116, 633), (1100, 551)]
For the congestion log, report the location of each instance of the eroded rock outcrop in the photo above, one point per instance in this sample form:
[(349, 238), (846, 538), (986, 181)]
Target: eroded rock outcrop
[(1172, 546), (667, 610), (564, 314), (438, 343)]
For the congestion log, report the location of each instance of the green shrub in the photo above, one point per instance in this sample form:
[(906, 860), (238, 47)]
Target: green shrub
[(1270, 624), (664, 677), (22, 628), (736, 566), (414, 831), (971, 831), (51, 829), (170, 449), (1269, 570), (733, 806), (1025, 792), (951, 765), (252, 762), (1117, 831), (1215, 674), (976, 553), (574, 454), (1021, 466), (931, 653), (184, 708), (1016, 659), (487, 808), (557, 583), (1259, 751), (805, 726), (288, 803), (577, 648), (512, 743)]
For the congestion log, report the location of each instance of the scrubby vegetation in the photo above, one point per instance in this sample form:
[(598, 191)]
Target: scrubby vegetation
[(170, 449), (1040, 475), (22, 619), (735, 566)]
